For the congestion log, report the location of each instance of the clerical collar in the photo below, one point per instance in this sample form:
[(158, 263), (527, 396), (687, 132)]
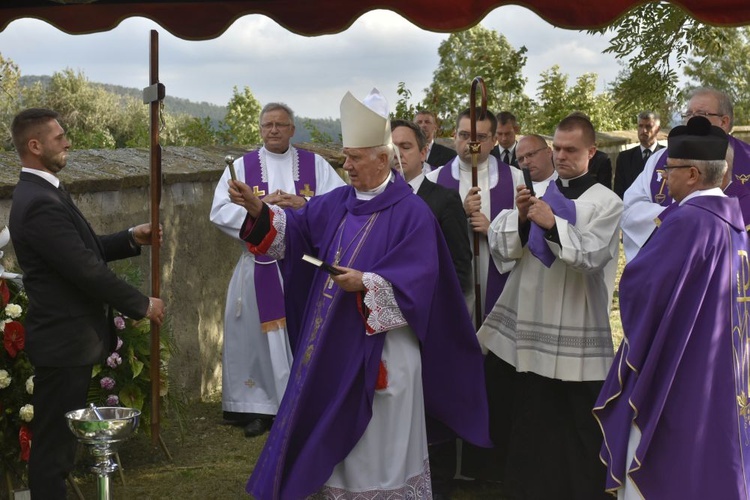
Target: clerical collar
[(368, 195), (416, 182), (703, 192), (279, 156), (44, 175), (467, 166), (575, 187)]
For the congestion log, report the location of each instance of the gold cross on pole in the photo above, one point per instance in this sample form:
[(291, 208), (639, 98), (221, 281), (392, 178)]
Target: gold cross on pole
[(258, 192), (307, 191)]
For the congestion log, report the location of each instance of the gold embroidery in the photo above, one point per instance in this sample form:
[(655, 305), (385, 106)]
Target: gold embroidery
[(258, 192), (743, 178), (307, 191)]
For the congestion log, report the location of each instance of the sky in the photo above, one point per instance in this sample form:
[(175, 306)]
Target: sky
[(310, 74)]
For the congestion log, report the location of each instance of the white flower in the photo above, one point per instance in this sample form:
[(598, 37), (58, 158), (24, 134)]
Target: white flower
[(5, 379), (26, 413), (30, 385), (13, 311)]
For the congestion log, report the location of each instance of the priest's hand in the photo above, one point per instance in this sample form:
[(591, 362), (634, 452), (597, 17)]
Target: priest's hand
[(288, 200), (350, 281), (524, 200), (142, 234), (241, 194), (473, 201), (479, 223), (541, 214), (273, 198)]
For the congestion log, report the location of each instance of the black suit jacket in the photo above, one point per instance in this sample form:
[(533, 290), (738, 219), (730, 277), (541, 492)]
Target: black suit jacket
[(630, 163), (66, 278), (440, 155), (449, 211), (513, 160), (600, 166)]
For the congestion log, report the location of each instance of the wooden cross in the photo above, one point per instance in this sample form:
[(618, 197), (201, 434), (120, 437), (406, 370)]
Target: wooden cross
[(258, 192), (307, 191)]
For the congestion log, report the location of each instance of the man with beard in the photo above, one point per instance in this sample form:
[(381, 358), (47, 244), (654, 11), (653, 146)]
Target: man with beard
[(69, 324)]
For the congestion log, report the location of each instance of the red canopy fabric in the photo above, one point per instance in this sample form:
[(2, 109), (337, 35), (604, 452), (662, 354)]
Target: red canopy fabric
[(205, 19)]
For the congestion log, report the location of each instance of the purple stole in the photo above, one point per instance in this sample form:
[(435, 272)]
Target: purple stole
[(266, 275), (740, 173), (501, 197), (740, 290), (561, 207)]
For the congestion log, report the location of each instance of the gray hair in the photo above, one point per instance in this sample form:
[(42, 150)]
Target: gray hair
[(388, 149), (726, 108), (712, 170), (273, 106), (648, 115)]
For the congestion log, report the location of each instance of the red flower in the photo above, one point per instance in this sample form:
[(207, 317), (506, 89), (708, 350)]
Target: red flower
[(24, 439), (4, 293), (14, 338)]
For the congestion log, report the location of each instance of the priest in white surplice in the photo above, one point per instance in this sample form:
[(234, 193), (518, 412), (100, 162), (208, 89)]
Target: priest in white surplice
[(548, 336), (257, 355)]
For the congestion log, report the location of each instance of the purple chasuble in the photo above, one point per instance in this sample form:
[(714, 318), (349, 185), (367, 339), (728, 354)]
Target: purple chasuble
[(502, 196), (328, 402), (266, 273), (681, 373), (561, 207), (740, 173)]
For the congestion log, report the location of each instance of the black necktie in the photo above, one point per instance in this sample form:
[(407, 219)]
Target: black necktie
[(646, 154), (506, 156), (64, 192)]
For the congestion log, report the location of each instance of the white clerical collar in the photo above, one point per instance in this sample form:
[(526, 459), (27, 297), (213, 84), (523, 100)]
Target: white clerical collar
[(416, 182), (279, 156), (566, 182), (368, 195), (44, 175), (703, 192), (467, 166)]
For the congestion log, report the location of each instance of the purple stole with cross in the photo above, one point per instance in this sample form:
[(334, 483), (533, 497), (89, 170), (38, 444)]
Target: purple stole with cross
[(740, 172), (501, 197), (266, 275)]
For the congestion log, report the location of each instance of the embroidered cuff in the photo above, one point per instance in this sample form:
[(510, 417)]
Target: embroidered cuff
[(265, 235), (384, 313)]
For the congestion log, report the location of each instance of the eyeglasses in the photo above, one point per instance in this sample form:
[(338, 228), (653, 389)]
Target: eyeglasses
[(528, 156), (667, 168), (689, 114), (271, 125), (465, 136)]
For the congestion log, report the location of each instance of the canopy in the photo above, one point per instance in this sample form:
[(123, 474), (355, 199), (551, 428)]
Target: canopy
[(205, 19)]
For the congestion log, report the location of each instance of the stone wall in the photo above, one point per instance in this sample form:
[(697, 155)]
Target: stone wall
[(111, 187)]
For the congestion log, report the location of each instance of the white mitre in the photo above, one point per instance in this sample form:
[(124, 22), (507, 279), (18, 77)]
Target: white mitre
[(365, 124)]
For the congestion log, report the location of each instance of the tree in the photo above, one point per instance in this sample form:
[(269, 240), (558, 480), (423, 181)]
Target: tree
[(477, 51), (10, 99), (556, 100), (730, 73), (404, 110), (654, 40), (241, 126)]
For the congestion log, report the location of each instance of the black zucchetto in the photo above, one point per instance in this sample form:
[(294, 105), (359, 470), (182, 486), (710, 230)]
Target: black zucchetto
[(698, 140)]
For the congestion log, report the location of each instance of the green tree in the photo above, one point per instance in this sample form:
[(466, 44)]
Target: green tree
[(10, 99), (730, 73), (241, 125), (465, 55), (197, 131), (654, 40), (555, 100), (404, 109)]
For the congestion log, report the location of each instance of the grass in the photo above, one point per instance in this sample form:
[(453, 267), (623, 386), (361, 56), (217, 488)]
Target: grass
[(211, 460)]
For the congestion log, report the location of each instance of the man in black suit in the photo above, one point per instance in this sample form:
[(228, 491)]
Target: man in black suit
[(630, 162), (437, 154), (69, 324), (507, 130), (446, 205)]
